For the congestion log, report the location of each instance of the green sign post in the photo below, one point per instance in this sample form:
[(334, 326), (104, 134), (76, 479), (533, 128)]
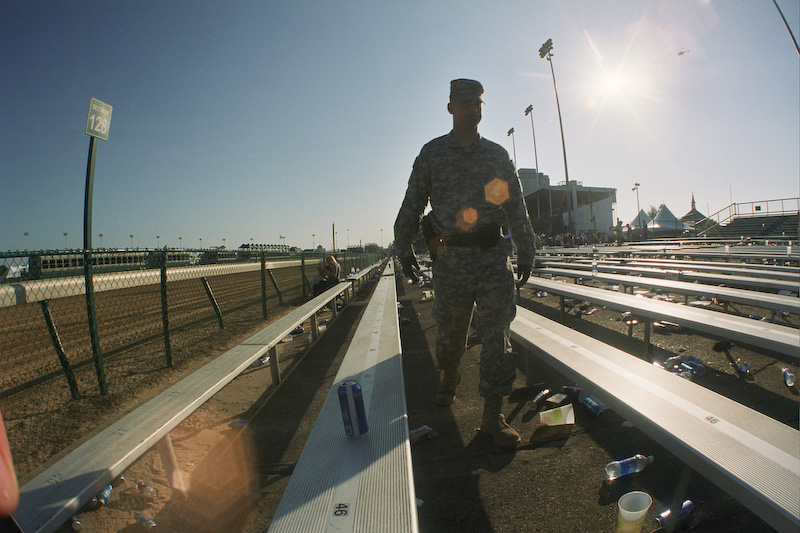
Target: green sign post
[(98, 123)]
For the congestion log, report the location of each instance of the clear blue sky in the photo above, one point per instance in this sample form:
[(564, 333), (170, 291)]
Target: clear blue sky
[(259, 119)]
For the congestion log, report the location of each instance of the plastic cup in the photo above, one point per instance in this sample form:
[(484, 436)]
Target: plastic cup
[(633, 508), (560, 416)]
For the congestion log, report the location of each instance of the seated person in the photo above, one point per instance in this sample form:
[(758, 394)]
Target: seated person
[(332, 269), (318, 284)]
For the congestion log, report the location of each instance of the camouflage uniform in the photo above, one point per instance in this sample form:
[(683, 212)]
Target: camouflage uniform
[(470, 188)]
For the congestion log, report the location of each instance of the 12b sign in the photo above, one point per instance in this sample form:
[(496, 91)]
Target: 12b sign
[(99, 120)]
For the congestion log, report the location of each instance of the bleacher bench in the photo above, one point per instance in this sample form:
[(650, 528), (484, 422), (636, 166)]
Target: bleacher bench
[(764, 300), (780, 339), (50, 498), (359, 484), (752, 457)]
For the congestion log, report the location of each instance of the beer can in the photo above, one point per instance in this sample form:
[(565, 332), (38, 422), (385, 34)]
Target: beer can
[(353, 413), (686, 510), (788, 377)]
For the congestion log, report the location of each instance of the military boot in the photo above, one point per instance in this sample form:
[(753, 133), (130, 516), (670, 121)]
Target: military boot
[(494, 423), (448, 381)]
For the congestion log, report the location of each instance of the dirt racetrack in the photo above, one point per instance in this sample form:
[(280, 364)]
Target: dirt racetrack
[(41, 416)]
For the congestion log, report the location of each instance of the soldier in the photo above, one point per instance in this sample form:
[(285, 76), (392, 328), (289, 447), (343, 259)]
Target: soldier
[(475, 193)]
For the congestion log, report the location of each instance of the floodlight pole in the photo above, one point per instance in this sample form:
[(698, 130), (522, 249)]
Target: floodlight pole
[(529, 110), (638, 210), (514, 144), (545, 53)]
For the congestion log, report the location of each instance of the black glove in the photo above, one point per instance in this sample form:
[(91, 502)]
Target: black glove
[(523, 273), (409, 264)]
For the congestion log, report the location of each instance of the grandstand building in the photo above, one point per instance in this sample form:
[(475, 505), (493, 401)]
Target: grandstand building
[(592, 207)]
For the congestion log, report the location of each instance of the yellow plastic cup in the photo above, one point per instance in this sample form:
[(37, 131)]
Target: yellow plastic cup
[(633, 508), (559, 416)]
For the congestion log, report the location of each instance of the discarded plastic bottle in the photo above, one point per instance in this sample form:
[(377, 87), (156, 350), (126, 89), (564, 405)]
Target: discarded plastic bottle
[(694, 367), (146, 490), (103, 496), (686, 509), (674, 362), (788, 377), (119, 480), (594, 267), (144, 521), (537, 401), (616, 469), (595, 406), (76, 523)]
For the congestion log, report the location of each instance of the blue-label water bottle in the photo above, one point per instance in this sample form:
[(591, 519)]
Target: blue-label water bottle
[(616, 469), (104, 495), (144, 521)]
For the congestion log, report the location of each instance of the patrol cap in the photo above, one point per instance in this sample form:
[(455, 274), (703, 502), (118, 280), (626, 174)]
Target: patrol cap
[(464, 89)]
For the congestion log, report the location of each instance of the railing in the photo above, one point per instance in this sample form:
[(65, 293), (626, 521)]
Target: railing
[(782, 206), (67, 362)]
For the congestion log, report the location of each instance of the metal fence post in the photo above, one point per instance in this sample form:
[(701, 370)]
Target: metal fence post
[(62, 358), (164, 309), (264, 285), (275, 284), (91, 311), (303, 278), (213, 301)]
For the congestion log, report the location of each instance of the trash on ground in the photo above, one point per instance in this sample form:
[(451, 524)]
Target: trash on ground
[(594, 405), (560, 416), (422, 433), (631, 465), (144, 521), (264, 359), (556, 399), (686, 513), (788, 377), (537, 401)]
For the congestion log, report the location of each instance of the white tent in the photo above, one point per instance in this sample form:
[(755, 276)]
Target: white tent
[(666, 222), (640, 220)]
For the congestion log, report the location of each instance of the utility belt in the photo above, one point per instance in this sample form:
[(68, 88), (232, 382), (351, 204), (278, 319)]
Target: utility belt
[(484, 236)]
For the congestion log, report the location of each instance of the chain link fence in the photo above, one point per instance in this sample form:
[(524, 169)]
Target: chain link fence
[(69, 358)]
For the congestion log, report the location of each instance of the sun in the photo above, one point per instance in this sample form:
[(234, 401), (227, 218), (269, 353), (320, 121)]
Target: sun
[(623, 76)]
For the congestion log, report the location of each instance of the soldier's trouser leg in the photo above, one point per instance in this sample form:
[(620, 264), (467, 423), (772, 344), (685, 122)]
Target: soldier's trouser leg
[(495, 309), (452, 309)]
